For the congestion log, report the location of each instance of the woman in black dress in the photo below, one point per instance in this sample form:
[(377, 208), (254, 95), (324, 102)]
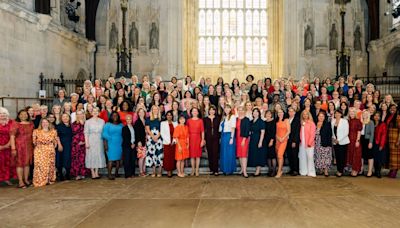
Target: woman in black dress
[(140, 140), (128, 146), (63, 156), (269, 138), (257, 154), (211, 126)]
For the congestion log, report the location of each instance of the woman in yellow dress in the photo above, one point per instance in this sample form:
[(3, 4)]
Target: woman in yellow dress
[(45, 140)]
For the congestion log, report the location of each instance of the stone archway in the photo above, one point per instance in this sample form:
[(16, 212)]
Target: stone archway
[(82, 75), (393, 62)]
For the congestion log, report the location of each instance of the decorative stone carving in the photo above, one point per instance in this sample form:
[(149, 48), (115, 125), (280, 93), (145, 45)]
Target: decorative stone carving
[(333, 38), (154, 36), (43, 22), (357, 39), (113, 37), (133, 36), (308, 38)]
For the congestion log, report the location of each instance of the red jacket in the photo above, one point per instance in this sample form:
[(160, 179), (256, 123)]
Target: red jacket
[(309, 133), (380, 134)]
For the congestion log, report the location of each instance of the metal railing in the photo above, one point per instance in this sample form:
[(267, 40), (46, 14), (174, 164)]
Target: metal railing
[(384, 83)]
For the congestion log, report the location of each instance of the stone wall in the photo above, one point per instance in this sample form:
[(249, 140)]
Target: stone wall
[(32, 43), (320, 15), (167, 14)]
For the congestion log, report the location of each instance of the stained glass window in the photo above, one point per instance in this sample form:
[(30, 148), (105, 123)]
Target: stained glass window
[(232, 31)]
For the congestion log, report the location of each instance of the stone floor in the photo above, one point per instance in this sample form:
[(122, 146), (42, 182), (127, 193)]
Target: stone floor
[(206, 201)]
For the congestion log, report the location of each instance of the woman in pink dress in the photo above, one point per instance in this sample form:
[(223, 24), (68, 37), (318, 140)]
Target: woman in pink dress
[(242, 139), (22, 147), (7, 168), (78, 152), (196, 140)]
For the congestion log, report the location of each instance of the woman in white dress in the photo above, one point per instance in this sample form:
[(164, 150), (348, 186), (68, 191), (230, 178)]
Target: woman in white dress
[(95, 158)]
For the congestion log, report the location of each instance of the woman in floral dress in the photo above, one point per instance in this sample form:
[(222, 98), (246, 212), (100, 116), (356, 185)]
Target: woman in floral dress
[(323, 144), (7, 169), (45, 140), (78, 153), (154, 145)]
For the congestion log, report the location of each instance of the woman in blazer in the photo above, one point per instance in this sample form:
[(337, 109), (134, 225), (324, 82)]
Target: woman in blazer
[(340, 137), (167, 131), (367, 140), (323, 144), (307, 142), (128, 146)]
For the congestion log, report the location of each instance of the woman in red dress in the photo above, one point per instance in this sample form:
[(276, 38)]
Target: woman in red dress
[(354, 148), (196, 140), (167, 132), (22, 147), (126, 109), (7, 168), (105, 113), (242, 139)]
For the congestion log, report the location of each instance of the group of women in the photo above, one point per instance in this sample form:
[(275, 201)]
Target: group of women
[(170, 125)]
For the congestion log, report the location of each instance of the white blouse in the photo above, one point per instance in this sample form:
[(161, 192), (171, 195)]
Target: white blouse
[(228, 124)]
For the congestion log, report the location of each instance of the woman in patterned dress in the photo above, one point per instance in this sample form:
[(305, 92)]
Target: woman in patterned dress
[(7, 169), (22, 147), (45, 140), (394, 141), (78, 153), (94, 159), (154, 157), (323, 144)]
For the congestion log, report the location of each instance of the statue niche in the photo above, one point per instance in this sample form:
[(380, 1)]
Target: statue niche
[(333, 38), (134, 36), (154, 36), (308, 38)]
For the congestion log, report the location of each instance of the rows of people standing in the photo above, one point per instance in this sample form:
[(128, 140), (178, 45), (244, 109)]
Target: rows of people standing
[(310, 125)]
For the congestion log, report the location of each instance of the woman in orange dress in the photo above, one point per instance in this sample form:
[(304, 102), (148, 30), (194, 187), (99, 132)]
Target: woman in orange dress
[(282, 134), (181, 137), (45, 140), (196, 140)]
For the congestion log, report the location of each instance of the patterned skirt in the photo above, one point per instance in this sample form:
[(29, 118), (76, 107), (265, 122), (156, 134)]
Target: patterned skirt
[(154, 156), (394, 150), (322, 155)]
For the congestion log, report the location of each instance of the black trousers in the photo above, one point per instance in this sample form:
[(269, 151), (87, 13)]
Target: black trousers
[(378, 157), (293, 157), (341, 152), (213, 155), (130, 157), (366, 152)]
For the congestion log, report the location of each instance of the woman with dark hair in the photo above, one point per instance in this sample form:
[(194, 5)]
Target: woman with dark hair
[(253, 93), (167, 131), (380, 136), (196, 140), (282, 134), (63, 157), (78, 151), (344, 107), (269, 138), (112, 134), (220, 82), (125, 108), (140, 140), (120, 93), (257, 153), (128, 146), (323, 144), (212, 135), (22, 147), (213, 97), (394, 140), (243, 125), (227, 146), (340, 138)]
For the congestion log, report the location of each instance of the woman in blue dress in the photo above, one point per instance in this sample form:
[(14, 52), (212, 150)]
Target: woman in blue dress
[(257, 153), (63, 157), (154, 146), (112, 134), (227, 146)]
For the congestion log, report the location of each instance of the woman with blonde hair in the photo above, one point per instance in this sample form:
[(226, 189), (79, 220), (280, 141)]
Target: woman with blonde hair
[(154, 157), (6, 170), (367, 140), (307, 144), (354, 150), (78, 152), (46, 141)]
